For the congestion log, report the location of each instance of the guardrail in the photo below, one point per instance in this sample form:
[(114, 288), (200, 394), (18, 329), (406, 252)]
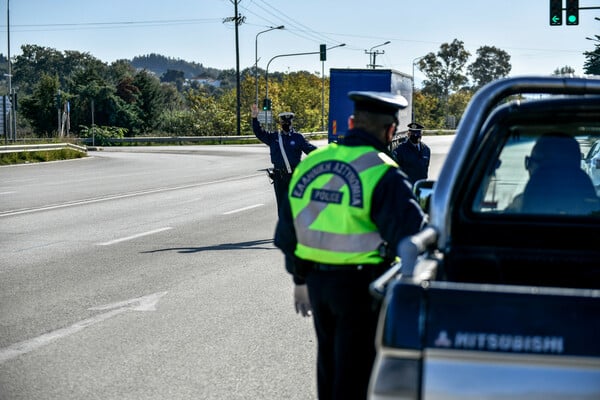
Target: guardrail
[(16, 148), (171, 139), (183, 139)]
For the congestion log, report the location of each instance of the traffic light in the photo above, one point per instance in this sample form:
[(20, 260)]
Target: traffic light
[(572, 12), (555, 12), (323, 52), (266, 104)]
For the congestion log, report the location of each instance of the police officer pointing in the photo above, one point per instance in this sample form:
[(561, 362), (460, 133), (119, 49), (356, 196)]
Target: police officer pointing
[(413, 156), (286, 148), (348, 208)]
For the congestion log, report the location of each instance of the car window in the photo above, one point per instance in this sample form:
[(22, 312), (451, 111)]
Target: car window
[(593, 151), (541, 174)]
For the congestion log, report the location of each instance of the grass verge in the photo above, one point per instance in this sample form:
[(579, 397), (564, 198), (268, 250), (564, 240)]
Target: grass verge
[(26, 157)]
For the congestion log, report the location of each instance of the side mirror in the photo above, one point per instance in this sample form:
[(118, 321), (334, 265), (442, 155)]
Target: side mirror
[(422, 190)]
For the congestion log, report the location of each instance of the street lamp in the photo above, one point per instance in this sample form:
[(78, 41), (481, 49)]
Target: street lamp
[(278, 56), (256, 55), (373, 54), (412, 101), (323, 88)]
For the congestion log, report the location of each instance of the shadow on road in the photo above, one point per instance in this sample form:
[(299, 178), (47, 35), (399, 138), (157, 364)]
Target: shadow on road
[(254, 244)]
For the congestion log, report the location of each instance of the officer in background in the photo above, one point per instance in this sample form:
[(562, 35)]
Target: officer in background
[(348, 208), (413, 155), (286, 147)]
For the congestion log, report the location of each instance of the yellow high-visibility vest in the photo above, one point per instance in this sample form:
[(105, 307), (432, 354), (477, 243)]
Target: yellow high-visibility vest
[(330, 196)]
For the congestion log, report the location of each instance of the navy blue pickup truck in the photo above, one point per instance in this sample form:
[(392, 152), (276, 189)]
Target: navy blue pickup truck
[(499, 297)]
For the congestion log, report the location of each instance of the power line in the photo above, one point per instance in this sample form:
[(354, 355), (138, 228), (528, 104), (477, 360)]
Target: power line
[(110, 25), (292, 25)]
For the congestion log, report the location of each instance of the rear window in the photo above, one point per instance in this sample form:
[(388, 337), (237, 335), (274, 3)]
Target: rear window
[(545, 172)]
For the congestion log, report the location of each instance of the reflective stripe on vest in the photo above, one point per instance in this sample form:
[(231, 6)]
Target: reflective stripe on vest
[(317, 193)]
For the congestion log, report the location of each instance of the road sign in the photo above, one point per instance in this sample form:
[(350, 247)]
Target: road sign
[(265, 117)]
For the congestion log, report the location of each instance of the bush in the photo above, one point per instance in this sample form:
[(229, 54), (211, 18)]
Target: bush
[(102, 135)]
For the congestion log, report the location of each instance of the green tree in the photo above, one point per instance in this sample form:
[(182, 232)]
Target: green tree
[(426, 110), (444, 69), (212, 116), (40, 108), (32, 63), (566, 70), (301, 94), (92, 91), (176, 77), (491, 64), (150, 100), (457, 104), (591, 65), (120, 70), (3, 72)]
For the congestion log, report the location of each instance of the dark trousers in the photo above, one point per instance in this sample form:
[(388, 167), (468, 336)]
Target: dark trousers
[(345, 318), (281, 183)]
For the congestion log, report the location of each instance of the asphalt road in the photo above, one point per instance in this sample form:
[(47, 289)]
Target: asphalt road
[(149, 274)]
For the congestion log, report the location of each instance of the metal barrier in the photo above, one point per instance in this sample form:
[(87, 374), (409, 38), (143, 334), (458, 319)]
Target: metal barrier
[(186, 139), (41, 147)]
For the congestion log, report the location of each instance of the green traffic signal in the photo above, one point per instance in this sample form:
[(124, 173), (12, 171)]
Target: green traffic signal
[(266, 104), (556, 12), (572, 12)]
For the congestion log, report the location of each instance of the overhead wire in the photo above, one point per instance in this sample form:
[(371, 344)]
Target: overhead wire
[(107, 25), (292, 25)]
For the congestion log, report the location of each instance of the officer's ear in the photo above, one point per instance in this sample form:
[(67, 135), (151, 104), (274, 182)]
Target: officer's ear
[(389, 133), (351, 122)]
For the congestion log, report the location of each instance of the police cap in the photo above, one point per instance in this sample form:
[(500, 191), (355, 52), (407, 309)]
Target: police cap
[(286, 116), (378, 102), (415, 128)]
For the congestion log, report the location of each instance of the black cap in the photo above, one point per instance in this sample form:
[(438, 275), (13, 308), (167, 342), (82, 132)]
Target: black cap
[(286, 116), (378, 102), (415, 128)]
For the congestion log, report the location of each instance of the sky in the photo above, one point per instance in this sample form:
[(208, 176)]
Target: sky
[(197, 31)]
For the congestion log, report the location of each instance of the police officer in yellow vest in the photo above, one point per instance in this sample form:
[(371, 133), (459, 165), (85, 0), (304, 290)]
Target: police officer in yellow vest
[(349, 208)]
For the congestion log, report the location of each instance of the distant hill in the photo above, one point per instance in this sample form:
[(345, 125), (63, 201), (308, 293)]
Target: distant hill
[(160, 64)]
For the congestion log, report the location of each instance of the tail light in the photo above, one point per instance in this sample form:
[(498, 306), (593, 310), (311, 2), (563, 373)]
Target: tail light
[(396, 378), (397, 370)]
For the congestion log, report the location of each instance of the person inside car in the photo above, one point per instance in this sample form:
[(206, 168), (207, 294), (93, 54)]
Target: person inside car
[(557, 184)]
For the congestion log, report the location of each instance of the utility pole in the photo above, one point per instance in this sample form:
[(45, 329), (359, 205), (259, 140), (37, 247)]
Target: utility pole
[(238, 19), (12, 124), (373, 55)]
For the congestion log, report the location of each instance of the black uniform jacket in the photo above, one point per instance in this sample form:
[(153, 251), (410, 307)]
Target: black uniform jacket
[(414, 162), (394, 211), (294, 144)]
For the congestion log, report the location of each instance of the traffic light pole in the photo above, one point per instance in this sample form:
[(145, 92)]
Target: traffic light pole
[(322, 52), (267, 75)]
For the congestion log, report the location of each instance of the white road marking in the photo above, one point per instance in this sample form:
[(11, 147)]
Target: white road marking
[(117, 197), (8, 192), (145, 303), (243, 209), (124, 239)]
